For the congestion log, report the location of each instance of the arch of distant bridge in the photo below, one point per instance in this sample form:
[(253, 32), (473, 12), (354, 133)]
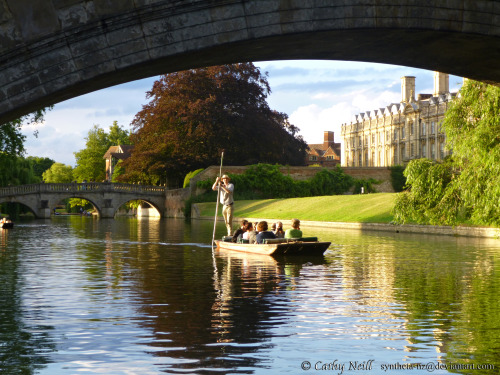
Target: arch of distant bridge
[(42, 198), (55, 50)]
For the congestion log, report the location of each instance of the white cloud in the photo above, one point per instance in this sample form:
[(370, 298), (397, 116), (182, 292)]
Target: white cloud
[(370, 101), (313, 120)]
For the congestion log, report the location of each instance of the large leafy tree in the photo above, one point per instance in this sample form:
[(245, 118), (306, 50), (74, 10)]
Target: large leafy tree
[(472, 126), (194, 114), (40, 165), (58, 173), (90, 164), (15, 170), (467, 187)]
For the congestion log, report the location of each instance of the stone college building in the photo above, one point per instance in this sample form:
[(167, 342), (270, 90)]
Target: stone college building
[(402, 131)]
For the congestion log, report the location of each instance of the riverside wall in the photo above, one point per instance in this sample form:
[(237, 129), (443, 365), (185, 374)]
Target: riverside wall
[(460, 231), (175, 202)]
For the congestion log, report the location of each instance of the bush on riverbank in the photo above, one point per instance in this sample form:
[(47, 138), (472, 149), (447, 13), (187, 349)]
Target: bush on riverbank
[(189, 176), (265, 181), (398, 179)]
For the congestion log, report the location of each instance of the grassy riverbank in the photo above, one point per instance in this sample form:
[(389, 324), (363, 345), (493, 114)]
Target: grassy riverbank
[(366, 208)]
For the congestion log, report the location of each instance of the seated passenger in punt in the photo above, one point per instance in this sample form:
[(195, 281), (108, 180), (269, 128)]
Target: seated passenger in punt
[(279, 232), (294, 231), (239, 232), (263, 232), (249, 234)]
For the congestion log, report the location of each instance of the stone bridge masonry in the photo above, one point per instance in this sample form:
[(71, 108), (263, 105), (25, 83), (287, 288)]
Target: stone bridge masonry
[(53, 50), (105, 197)]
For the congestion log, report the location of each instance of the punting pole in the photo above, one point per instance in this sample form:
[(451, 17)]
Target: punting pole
[(218, 197)]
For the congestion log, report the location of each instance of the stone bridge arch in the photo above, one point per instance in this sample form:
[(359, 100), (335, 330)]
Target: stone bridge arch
[(54, 199), (53, 50), (105, 197), (43, 206), (32, 207), (156, 205)]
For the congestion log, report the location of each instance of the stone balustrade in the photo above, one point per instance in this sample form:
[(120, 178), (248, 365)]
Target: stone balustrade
[(81, 187)]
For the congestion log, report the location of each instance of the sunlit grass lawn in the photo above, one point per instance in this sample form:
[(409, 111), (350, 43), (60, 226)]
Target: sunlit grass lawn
[(366, 208)]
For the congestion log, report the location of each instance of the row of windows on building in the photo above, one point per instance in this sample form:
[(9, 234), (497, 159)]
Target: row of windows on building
[(399, 134), (396, 155)]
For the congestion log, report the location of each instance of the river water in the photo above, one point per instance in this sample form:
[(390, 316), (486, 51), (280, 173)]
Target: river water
[(127, 296)]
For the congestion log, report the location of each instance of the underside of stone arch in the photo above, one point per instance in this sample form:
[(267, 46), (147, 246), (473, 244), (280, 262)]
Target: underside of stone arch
[(53, 50)]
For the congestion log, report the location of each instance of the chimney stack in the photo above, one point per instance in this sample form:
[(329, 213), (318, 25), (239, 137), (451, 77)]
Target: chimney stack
[(441, 83), (328, 138), (407, 89)]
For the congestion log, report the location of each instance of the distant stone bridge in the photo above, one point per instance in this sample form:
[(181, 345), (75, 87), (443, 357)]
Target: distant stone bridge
[(42, 198), (53, 50)]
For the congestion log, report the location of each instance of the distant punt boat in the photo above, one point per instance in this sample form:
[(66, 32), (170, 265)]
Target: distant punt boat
[(278, 247), (7, 225)]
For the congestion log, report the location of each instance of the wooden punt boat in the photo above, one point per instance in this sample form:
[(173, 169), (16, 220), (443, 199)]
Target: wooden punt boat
[(278, 247), (6, 225)]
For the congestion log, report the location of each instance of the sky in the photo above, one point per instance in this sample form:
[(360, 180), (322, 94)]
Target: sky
[(318, 96)]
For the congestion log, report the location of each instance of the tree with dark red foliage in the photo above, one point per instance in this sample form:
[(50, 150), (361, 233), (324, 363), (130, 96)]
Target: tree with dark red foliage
[(195, 114)]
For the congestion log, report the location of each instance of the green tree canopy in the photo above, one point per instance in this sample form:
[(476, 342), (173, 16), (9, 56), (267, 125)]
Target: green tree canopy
[(90, 164), (58, 173), (40, 165), (118, 136), (467, 187), (15, 170), (194, 114), (118, 170), (472, 126)]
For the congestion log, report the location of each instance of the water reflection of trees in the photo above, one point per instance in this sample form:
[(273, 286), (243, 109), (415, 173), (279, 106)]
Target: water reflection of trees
[(448, 289), (201, 328), (24, 347), (210, 313)]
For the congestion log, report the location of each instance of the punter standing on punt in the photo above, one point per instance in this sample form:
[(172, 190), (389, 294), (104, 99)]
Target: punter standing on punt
[(226, 198)]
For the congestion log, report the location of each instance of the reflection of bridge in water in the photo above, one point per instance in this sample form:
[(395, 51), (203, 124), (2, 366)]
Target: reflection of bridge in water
[(106, 197)]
